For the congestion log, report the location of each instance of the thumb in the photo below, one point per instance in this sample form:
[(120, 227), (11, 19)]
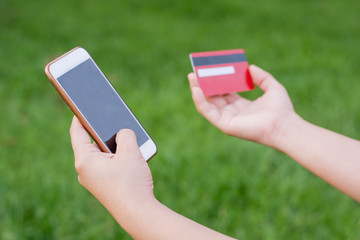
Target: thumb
[(126, 142), (263, 79)]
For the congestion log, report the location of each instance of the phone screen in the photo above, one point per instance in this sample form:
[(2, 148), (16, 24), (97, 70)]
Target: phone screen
[(99, 103)]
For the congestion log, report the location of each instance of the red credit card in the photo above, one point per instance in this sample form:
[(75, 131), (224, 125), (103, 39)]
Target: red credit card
[(222, 72)]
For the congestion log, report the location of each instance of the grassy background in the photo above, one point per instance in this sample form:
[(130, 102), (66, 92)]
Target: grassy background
[(240, 188)]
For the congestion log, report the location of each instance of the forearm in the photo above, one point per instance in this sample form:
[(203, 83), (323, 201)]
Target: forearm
[(333, 157), (152, 220)]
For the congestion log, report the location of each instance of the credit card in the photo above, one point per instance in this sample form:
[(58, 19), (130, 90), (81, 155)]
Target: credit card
[(222, 72)]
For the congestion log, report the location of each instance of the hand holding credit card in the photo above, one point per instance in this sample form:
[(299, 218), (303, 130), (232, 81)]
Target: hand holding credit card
[(222, 72)]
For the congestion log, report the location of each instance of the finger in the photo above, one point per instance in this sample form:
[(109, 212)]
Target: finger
[(218, 101), (80, 139), (203, 104), (192, 80), (231, 97), (96, 145), (208, 107), (126, 141), (263, 79), (236, 100), (200, 101), (197, 94), (210, 111)]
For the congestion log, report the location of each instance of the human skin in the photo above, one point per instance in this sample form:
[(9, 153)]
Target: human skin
[(272, 121), (122, 182)]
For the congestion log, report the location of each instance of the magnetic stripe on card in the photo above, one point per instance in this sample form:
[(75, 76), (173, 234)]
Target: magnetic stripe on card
[(223, 59)]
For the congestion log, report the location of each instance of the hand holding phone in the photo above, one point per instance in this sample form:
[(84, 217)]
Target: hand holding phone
[(95, 102)]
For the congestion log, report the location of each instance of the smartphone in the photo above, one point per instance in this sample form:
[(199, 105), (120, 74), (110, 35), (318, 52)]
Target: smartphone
[(95, 102)]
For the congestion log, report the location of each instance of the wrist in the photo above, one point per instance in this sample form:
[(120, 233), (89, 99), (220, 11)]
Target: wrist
[(286, 131), (130, 212), (138, 219)]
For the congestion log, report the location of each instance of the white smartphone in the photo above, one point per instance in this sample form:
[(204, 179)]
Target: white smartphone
[(95, 102)]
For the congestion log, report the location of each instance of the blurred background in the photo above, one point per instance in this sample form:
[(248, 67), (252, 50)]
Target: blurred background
[(240, 188)]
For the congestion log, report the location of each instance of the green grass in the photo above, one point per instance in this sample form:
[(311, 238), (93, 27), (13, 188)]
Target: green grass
[(239, 188)]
